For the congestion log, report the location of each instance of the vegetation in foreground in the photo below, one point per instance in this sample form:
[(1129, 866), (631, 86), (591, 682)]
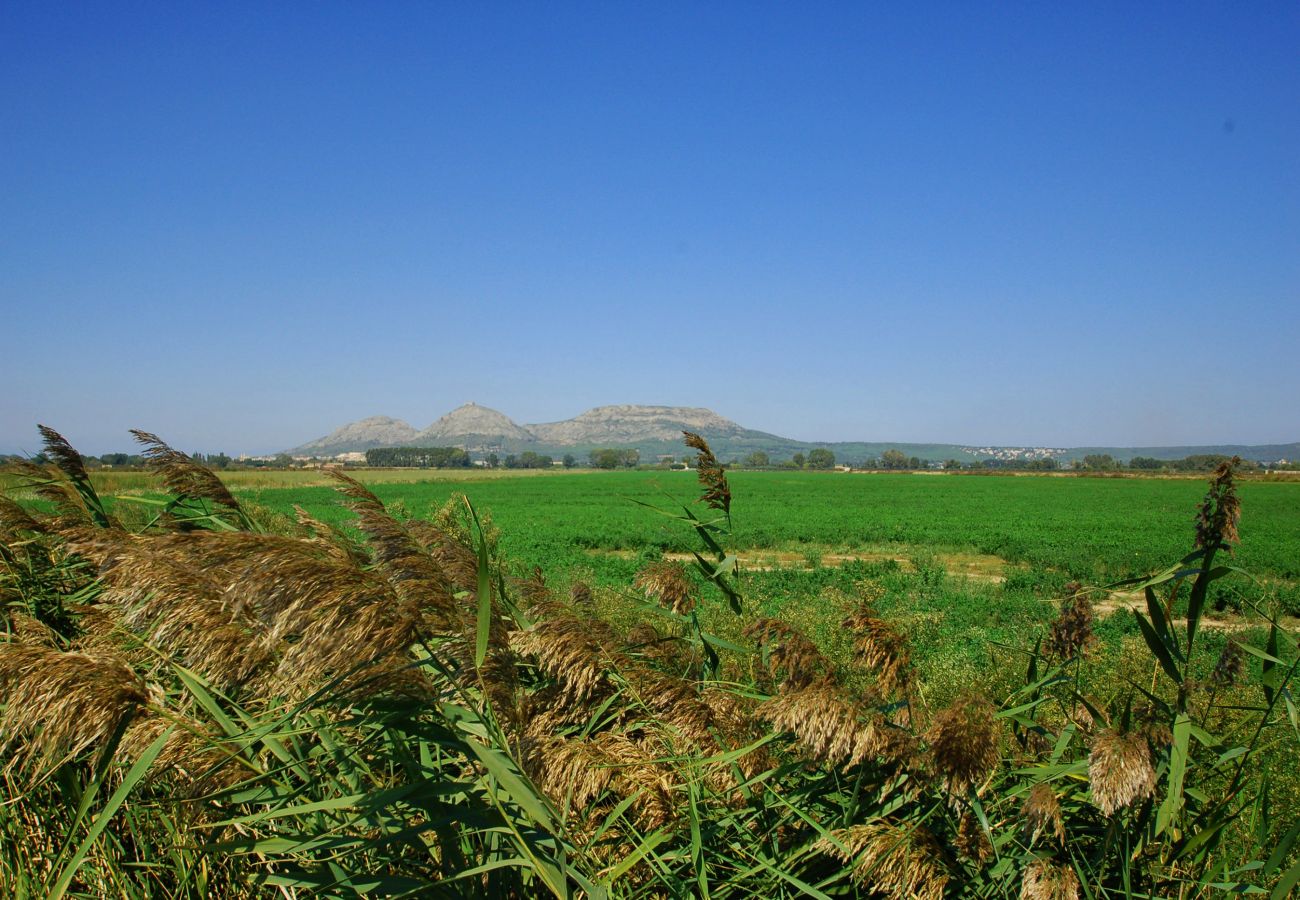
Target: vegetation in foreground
[(197, 706)]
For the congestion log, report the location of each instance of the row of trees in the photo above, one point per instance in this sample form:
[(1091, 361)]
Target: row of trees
[(418, 457), (615, 459)]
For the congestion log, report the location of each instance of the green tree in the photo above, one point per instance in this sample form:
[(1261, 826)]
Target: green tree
[(605, 459), (569, 461), (757, 460), (893, 459), (798, 460), (821, 458)]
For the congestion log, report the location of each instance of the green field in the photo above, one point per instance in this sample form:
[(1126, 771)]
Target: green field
[(967, 563)]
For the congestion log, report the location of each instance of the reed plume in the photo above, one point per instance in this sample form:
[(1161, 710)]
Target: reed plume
[(896, 860), (57, 704), (881, 648), (666, 582), (1119, 769), (792, 659), (1045, 880), (717, 493), (833, 728), (186, 478), (1042, 811), (1220, 512), (1071, 633), (964, 742)]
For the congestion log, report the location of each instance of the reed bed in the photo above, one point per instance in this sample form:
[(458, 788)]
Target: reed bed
[(205, 704)]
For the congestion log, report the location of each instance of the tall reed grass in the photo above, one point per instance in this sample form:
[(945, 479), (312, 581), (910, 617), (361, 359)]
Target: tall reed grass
[(197, 706)]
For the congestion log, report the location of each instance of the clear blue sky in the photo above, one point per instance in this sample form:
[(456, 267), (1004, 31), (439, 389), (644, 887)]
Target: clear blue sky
[(242, 225)]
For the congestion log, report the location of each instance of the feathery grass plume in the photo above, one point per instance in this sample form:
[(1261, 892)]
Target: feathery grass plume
[(191, 754), (14, 519), (453, 552), (880, 647), (1230, 665), (895, 860), (786, 649), (964, 742), (666, 581), (573, 651), (639, 773), (1071, 632), (332, 539), (717, 493), (573, 772), (832, 728), (972, 841), (1220, 511), (580, 594), (1119, 769), (534, 595), (1044, 880), (48, 484), (70, 463), (60, 703), (175, 604), (1042, 811), (186, 478)]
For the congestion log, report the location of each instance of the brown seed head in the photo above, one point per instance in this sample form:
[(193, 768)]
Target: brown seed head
[(1044, 880), (786, 650), (894, 860), (1220, 511), (667, 582), (1230, 666), (972, 840), (964, 742), (882, 648), (1119, 768), (1071, 634), (717, 493), (1043, 812)]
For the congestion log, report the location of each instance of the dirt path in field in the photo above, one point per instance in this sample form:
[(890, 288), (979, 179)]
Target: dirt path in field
[(975, 566)]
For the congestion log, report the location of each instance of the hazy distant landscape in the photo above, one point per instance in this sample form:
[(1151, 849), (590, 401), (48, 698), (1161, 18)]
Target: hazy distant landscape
[(655, 431)]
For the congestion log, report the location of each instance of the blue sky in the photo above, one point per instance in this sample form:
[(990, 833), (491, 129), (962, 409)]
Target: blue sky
[(242, 225)]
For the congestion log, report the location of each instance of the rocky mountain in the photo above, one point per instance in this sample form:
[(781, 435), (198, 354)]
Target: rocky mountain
[(654, 429), (376, 431), (630, 424), (474, 425)]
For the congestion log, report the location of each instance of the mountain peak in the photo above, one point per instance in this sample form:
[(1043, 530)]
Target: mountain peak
[(475, 423)]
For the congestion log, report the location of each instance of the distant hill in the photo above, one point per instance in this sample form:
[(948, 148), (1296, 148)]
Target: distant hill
[(657, 431)]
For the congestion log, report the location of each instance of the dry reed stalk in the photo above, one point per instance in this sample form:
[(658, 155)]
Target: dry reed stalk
[(880, 647), (895, 860), (785, 649), (1045, 880), (964, 742), (60, 703), (1119, 769), (667, 583), (717, 493)]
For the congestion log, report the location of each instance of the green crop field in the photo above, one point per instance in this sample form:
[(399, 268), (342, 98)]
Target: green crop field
[(970, 563)]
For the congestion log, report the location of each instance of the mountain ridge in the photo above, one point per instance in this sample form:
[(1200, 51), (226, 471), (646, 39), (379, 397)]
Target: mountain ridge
[(656, 431)]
